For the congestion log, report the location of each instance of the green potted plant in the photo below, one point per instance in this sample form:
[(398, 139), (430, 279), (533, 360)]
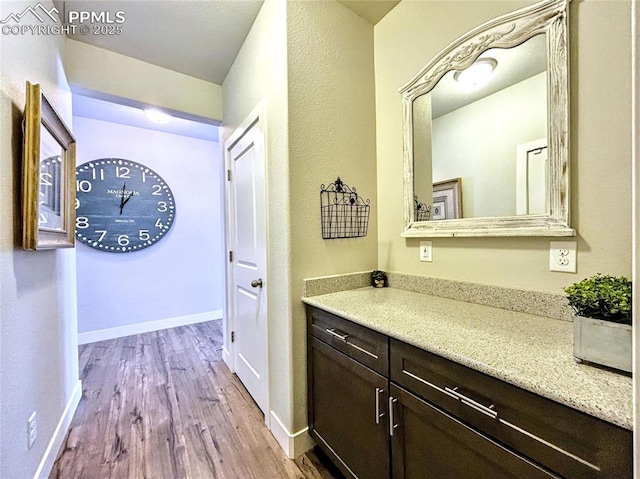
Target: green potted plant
[(602, 320)]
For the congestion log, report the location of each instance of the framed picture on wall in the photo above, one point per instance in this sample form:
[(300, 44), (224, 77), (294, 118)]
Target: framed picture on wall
[(447, 200), (48, 176)]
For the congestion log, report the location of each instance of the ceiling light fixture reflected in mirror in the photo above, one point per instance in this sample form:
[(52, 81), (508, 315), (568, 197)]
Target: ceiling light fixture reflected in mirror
[(157, 116), (477, 74)]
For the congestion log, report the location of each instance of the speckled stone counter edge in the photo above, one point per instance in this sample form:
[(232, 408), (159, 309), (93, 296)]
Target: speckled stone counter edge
[(538, 303), (333, 284)]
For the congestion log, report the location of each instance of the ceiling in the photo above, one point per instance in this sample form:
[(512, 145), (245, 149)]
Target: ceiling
[(370, 10), (200, 38), (100, 109), (514, 65)]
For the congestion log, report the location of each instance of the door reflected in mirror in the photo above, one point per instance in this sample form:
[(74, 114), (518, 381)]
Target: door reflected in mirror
[(488, 131)]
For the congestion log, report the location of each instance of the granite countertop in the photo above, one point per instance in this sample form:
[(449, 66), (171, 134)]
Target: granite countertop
[(532, 352)]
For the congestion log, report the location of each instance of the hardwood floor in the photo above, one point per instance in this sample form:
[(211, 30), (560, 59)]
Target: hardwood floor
[(163, 405)]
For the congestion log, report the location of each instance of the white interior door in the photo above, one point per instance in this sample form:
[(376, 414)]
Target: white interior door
[(248, 275), (532, 182)]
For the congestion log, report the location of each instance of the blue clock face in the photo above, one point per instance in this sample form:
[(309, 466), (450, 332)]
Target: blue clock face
[(121, 206)]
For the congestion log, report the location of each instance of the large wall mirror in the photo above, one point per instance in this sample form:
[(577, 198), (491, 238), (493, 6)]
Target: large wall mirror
[(486, 131)]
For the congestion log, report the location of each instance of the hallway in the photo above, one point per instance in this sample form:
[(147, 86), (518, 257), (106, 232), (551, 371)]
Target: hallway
[(163, 405)]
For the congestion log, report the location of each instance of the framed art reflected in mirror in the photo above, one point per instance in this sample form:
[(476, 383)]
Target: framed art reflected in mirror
[(447, 200), (48, 176)]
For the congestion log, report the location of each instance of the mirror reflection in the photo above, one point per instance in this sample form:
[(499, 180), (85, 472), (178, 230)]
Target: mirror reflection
[(480, 138)]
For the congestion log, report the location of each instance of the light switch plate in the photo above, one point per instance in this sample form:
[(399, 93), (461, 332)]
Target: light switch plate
[(426, 251)]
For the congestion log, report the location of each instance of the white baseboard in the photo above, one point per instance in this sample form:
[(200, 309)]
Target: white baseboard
[(50, 454), (226, 357), (293, 445), (139, 328)]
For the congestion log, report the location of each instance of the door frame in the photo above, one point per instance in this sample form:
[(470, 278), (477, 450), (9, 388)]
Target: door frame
[(522, 172), (257, 115)]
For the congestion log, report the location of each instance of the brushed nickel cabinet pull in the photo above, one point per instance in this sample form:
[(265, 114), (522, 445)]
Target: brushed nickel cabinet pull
[(551, 445), (340, 335), (424, 381), (378, 413), (486, 410), (362, 350), (392, 424)]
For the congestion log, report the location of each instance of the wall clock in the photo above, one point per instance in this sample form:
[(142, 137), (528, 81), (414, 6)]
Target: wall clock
[(121, 206)]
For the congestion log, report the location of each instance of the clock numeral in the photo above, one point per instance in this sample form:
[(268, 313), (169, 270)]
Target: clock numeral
[(45, 179), (123, 240), (102, 234), (83, 185), (144, 177), (159, 223), (42, 219), (144, 235), (77, 203), (82, 222), (95, 176), (157, 190), (122, 172), (162, 206)]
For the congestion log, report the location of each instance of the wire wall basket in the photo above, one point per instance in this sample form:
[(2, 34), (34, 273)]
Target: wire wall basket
[(343, 213), (423, 212)]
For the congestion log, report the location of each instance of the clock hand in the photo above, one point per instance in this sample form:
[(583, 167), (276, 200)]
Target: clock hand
[(128, 198), (123, 201), (124, 185)]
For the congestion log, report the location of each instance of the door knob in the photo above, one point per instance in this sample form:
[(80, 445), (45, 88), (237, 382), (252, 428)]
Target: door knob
[(256, 283)]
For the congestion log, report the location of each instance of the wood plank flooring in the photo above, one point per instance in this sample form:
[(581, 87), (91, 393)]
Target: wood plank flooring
[(163, 405)]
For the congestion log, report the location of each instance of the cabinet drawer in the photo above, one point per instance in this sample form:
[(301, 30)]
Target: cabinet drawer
[(362, 344), (571, 443)]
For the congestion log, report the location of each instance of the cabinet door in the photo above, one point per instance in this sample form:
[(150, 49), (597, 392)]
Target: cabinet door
[(348, 412), (428, 443)]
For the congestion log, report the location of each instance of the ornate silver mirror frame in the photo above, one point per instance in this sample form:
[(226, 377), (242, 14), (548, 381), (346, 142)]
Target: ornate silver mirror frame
[(548, 17)]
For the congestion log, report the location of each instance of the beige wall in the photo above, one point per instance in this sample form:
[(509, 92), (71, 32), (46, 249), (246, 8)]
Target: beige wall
[(331, 134), (600, 135), (635, 129), (312, 65), (259, 74), (38, 326), (115, 75)]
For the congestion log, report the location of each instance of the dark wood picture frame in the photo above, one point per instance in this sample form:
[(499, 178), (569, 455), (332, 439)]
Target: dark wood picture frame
[(48, 176)]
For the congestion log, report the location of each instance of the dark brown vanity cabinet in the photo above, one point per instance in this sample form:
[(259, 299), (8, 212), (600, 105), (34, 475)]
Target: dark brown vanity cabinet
[(348, 400), (429, 443), (568, 442), (381, 408)]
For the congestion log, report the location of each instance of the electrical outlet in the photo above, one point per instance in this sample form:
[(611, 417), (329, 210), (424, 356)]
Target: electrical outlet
[(426, 251), (562, 256), (32, 429)]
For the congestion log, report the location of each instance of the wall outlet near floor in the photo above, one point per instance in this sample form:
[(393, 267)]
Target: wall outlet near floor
[(32, 429), (562, 256), (426, 251)]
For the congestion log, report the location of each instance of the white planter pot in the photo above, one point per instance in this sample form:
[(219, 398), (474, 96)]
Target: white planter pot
[(602, 342)]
